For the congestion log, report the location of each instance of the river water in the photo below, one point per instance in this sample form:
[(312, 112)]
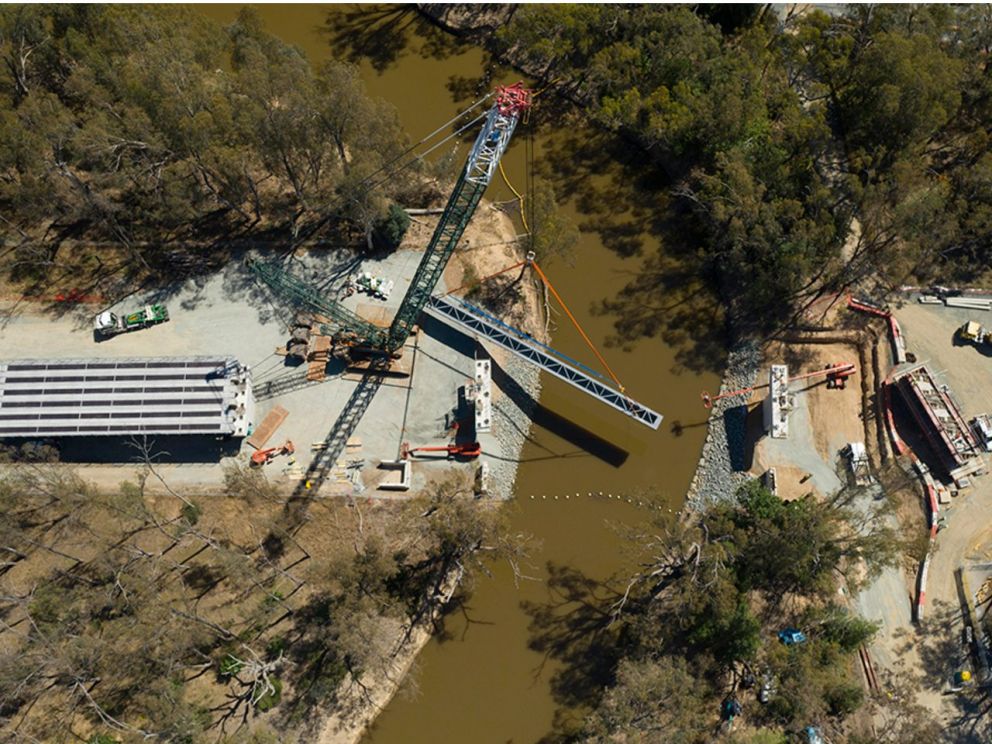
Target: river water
[(515, 654)]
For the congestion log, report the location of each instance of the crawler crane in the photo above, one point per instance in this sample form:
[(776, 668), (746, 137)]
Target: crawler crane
[(377, 347)]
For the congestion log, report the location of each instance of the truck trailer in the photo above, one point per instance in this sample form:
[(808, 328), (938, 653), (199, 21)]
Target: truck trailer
[(109, 324)]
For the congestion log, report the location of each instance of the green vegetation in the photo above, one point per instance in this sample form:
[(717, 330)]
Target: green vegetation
[(706, 607), (191, 512), (389, 231), (798, 159), (123, 620), (551, 234), (809, 155), (101, 739), (137, 139), (270, 699)]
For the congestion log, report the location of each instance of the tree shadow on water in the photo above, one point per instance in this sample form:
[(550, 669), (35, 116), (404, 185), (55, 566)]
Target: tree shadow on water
[(620, 194), (384, 32), (572, 628), (626, 202), (666, 298)]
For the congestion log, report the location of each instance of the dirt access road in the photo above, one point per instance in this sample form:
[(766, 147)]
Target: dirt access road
[(914, 662), (924, 656)]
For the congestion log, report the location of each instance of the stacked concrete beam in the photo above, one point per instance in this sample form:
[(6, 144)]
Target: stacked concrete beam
[(121, 397), (968, 303)]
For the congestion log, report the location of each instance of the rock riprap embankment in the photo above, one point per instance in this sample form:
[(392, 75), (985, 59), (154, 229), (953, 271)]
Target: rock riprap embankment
[(719, 473), (512, 422)]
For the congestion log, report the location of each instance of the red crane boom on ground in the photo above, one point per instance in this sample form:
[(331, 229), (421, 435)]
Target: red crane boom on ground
[(836, 374)]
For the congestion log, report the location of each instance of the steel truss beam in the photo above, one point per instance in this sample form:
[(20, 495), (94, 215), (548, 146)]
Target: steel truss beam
[(476, 321), (456, 216)]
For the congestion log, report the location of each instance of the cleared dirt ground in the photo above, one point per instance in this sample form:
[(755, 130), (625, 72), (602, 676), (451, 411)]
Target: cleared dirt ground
[(929, 332), (824, 420), (924, 655), (231, 313)]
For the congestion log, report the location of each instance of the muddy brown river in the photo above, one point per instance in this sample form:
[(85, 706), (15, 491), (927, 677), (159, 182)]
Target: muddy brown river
[(488, 678)]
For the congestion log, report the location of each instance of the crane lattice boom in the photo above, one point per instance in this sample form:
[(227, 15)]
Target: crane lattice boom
[(482, 163), (478, 172)]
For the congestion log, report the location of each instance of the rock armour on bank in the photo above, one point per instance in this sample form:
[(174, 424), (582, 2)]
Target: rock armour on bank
[(512, 422), (715, 478)]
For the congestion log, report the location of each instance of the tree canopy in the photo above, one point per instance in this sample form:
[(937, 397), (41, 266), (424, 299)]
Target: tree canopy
[(813, 152), (150, 130), (133, 617), (706, 606)]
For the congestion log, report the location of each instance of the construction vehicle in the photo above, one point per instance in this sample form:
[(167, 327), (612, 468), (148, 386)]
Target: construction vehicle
[(791, 636), (300, 336), (858, 463), (375, 286), (837, 375), (974, 332), (265, 456), (469, 450), (981, 427), (770, 481), (109, 324), (960, 681), (373, 349)]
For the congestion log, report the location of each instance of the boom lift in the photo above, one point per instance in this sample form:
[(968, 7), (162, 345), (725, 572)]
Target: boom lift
[(836, 375), (265, 456), (465, 449)]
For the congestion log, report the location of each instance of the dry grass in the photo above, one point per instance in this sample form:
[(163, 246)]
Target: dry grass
[(135, 577)]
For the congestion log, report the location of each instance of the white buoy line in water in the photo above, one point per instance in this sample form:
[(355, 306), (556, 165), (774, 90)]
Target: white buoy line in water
[(618, 498)]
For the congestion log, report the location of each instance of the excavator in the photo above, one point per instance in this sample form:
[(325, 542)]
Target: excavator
[(265, 456)]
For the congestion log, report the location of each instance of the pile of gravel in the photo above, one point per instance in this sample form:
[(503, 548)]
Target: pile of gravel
[(511, 424), (716, 479)]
